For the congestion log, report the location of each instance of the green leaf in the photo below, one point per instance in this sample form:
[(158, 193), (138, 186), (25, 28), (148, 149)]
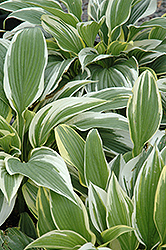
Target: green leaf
[(155, 22), (158, 65), (66, 17), (89, 30), (31, 15), (45, 222), (117, 97), (9, 138), (116, 165), (116, 141), (143, 214), (95, 166), (163, 154), (4, 105), (5, 208), (71, 88), (129, 172), (89, 120), (97, 9), (15, 239), (54, 73), (45, 168), (55, 113), (117, 13), (71, 148), (97, 207), (119, 212), (160, 206), (74, 7), (68, 215), (25, 62), (59, 239), (13, 5), (141, 9), (66, 35), (90, 55), (144, 111), (157, 33), (29, 190), (26, 225), (9, 185), (120, 74), (114, 232), (116, 47)]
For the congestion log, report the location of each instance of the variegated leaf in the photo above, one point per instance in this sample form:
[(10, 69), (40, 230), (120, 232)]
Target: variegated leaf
[(143, 215), (45, 168), (66, 35), (55, 113), (144, 111)]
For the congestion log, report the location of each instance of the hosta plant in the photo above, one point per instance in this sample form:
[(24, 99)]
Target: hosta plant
[(82, 140)]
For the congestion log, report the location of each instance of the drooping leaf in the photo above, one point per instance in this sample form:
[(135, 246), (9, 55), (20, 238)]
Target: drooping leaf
[(95, 166), (142, 218), (13, 5), (59, 239), (53, 74), (45, 168), (9, 185), (57, 112), (45, 222), (119, 212), (71, 148), (89, 120), (66, 35), (71, 88), (5, 208), (116, 141), (97, 207), (70, 216), (117, 97), (31, 15), (160, 207), (144, 111)]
